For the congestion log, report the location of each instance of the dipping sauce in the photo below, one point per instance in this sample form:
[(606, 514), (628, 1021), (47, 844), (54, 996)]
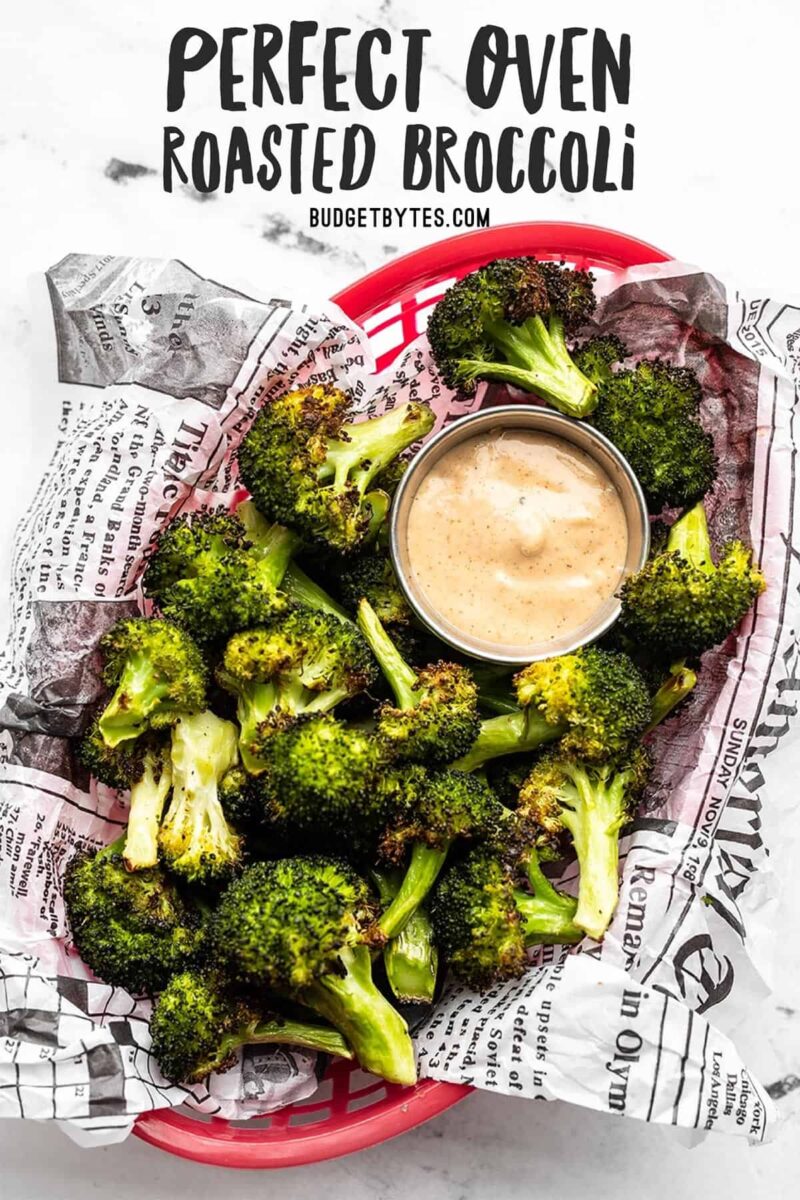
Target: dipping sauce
[(516, 537)]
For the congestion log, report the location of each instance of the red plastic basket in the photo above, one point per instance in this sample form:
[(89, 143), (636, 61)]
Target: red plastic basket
[(353, 1110)]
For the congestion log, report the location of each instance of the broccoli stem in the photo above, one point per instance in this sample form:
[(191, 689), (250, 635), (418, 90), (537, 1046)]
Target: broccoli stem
[(138, 692), (255, 702), (401, 677), (547, 915), (690, 538), (374, 1029), (509, 733), (372, 444), (675, 688), (148, 795), (411, 959), (594, 824), (287, 1033), (539, 361), (274, 545), (425, 863), (304, 592)]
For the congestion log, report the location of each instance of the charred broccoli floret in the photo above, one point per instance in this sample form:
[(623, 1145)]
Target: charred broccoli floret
[(429, 811), (195, 840), (589, 804), (299, 927), (307, 464), (322, 786), (594, 700), (371, 575), (158, 673), (681, 604), (212, 576), (308, 662), (133, 930), (484, 920), (143, 765), (435, 715), (597, 356), (199, 1022), (651, 415), (241, 800), (509, 321)]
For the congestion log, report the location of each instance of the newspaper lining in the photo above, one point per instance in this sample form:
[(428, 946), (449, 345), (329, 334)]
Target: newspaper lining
[(160, 373)]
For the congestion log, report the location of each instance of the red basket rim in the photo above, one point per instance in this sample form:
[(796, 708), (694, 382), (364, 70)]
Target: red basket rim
[(217, 1143)]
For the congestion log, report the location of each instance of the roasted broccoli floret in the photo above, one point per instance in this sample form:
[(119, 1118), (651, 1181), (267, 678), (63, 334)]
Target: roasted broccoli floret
[(305, 663), (372, 576), (241, 800), (307, 464), (681, 604), (158, 673), (651, 415), (321, 786), (195, 840), (509, 321), (435, 715), (589, 804), (299, 927), (143, 765), (484, 921), (594, 700), (199, 1022), (429, 811), (133, 930), (212, 576), (411, 959), (597, 356)]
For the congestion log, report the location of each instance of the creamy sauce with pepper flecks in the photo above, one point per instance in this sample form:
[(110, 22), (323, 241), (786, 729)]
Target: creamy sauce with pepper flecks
[(516, 537)]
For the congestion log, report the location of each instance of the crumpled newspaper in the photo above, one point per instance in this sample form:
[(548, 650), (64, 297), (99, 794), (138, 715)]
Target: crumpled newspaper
[(165, 370)]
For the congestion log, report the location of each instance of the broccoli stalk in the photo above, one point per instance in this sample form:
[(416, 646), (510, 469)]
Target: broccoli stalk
[(675, 688), (304, 592), (435, 717), (196, 840), (410, 959), (591, 803), (516, 732), (425, 863), (366, 1019), (158, 674), (148, 796), (549, 917)]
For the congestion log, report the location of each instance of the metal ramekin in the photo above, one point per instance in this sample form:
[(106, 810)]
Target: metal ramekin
[(544, 420)]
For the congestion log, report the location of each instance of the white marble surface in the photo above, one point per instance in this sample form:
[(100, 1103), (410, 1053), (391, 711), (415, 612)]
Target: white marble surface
[(714, 84)]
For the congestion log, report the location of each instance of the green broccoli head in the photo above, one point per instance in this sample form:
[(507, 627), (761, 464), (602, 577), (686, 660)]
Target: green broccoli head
[(199, 1022), (599, 355), (133, 930), (195, 839), (437, 808), (207, 575), (435, 717), (307, 464), (372, 575), (681, 604), (308, 662), (484, 921), (596, 698), (158, 674), (651, 416), (301, 927), (321, 785), (588, 804), (509, 321)]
